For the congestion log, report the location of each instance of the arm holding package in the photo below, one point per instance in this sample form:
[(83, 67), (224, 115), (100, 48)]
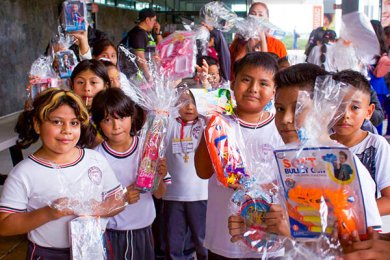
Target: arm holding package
[(222, 49), (14, 217)]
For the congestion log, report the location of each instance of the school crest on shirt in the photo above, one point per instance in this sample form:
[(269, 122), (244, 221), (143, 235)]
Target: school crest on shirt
[(196, 132), (95, 175)]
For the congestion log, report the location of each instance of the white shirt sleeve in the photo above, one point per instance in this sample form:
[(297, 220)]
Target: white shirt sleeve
[(14, 197), (382, 163), (368, 189), (86, 56)]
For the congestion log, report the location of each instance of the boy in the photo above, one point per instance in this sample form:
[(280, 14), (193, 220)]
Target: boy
[(253, 88), (289, 82), (372, 150)]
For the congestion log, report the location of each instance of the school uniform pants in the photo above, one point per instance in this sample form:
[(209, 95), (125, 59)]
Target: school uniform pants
[(36, 252), (129, 244), (179, 216)]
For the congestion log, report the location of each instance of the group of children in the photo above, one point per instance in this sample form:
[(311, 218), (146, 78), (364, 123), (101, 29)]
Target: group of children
[(100, 113)]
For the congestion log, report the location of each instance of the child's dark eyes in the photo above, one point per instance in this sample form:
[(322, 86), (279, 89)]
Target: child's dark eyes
[(75, 123), (355, 107), (279, 109), (56, 122)]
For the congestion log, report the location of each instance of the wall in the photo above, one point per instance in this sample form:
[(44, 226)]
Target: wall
[(26, 27)]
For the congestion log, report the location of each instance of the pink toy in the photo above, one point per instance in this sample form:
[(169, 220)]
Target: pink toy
[(178, 55)]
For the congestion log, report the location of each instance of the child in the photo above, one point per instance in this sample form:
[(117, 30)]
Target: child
[(372, 150), (185, 201), (253, 89), (88, 78), (113, 73), (289, 82), (129, 234), (208, 73), (57, 118), (105, 49)]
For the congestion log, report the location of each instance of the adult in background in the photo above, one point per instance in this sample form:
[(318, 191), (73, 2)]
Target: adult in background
[(239, 46), (140, 40)]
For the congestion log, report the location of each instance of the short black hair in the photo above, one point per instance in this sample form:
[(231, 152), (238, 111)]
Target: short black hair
[(146, 13), (113, 102), (302, 75), (101, 45), (210, 61), (256, 59), (355, 79)]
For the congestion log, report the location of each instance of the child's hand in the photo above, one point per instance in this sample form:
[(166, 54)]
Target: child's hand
[(237, 227), (276, 221), (81, 39), (202, 72), (374, 248), (162, 167), (61, 208), (132, 195)]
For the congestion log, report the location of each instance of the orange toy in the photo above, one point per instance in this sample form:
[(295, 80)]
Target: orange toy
[(340, 201), (224, 153)]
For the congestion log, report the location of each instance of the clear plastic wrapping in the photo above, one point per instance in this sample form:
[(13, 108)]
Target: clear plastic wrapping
[(225, 155), (215, 101), (42, 77), (66, 61), (74, 16), (252, 26), (158, 96), (218, 15), (86, 235), (319, 178), (178, 54)]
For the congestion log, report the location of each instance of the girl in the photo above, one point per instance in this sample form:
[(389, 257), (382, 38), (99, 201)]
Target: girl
[(57, 118), (105, 49), (185, 201), (88, 78), (129, 234)]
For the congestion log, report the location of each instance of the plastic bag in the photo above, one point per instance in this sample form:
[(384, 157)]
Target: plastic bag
[(224, 151), (357, 29), (73, 16), (178, 55), (41, 76), (127, 62), (218, 15), (209, 102), (158, 97), (86, 234), (252, 26), (319, 177)]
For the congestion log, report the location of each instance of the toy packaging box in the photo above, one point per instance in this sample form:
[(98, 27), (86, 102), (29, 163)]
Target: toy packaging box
[(322, 186), (40, 85), (74, 16), (66, 63)]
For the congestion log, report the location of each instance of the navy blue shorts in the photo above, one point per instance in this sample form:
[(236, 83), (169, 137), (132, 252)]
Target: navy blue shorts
[(35, 252)]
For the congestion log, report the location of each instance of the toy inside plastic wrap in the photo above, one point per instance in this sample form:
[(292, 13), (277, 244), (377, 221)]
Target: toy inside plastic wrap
[(41, 76), (252, 203), (319, 177), (214, 101), (252, 26), (224, 151), (178, 54), (74, 15), (66, 61), (218, 15), (158, 97), (86, 236)]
